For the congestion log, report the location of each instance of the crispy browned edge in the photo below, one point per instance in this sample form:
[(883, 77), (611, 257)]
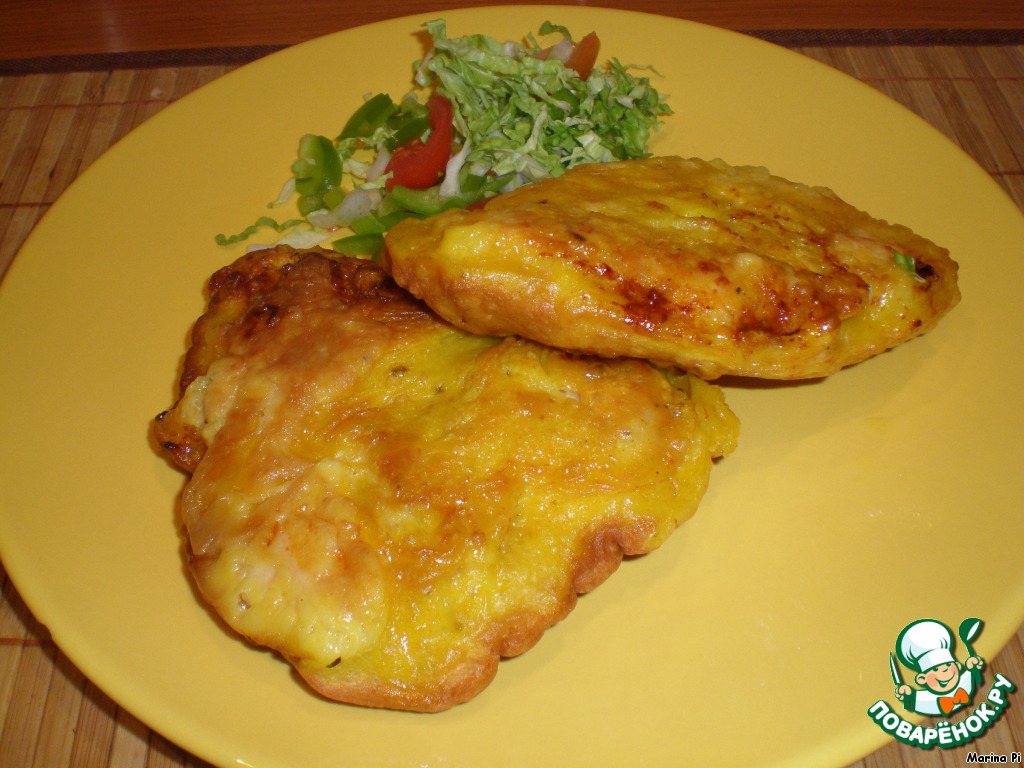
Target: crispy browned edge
[(241, 299), (601, 553)]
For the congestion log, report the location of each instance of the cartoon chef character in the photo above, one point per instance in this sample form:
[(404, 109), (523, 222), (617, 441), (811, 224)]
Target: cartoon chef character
[(926, 646)]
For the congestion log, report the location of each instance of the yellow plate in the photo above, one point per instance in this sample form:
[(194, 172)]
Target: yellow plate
[(759, 635)]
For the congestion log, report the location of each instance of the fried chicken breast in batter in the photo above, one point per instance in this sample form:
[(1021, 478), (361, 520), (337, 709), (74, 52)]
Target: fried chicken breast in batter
[(713, 268), (392, 503)]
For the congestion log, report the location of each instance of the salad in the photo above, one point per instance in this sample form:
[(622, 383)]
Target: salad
[(483, 117)]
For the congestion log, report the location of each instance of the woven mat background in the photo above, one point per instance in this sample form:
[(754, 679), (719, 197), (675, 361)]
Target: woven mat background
[(54, 123)]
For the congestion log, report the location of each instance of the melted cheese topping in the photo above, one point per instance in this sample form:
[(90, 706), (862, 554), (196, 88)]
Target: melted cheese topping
[(393, 504), (716, 269)]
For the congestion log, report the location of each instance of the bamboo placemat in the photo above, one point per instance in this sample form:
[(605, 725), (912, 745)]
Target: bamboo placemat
[(53, 124)]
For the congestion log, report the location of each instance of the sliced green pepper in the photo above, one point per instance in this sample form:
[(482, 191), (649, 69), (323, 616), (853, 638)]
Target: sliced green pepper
[(368, 244), (369, 117), (425, 202), (318, 167), (409, 129), (429, 202), (317, 172), (306, 204), (477, 186), (333, 197), (378, 223)]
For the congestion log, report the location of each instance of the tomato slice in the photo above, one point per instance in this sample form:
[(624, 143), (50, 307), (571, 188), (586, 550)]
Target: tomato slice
[(584, 55), (420, 164)]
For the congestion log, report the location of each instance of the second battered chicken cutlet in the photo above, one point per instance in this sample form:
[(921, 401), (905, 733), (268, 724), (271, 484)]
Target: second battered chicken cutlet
[(713, 268), (392, 503)]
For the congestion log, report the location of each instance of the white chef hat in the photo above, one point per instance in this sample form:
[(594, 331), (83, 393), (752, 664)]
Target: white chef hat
[(924, 644)]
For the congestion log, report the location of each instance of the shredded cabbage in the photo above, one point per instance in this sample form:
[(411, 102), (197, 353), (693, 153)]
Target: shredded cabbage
[(535, 117)]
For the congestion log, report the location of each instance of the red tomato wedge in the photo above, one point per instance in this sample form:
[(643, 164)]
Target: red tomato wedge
[(584, 55), (420, 164)]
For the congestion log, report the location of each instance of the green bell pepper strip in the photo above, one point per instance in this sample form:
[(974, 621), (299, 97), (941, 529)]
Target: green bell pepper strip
[(317, 171), (374, 112), (368, 244), (318, 167), (406, 130), (378, 223), (404, 122), (333, 197), (306, 204), (428, 202), (425, 202)]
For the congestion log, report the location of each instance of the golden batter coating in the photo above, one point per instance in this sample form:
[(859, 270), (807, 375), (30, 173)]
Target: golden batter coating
[(716, 269), (392, 503)]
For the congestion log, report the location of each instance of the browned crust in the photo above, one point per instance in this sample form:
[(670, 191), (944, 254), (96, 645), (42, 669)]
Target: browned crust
[(244, 297)]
